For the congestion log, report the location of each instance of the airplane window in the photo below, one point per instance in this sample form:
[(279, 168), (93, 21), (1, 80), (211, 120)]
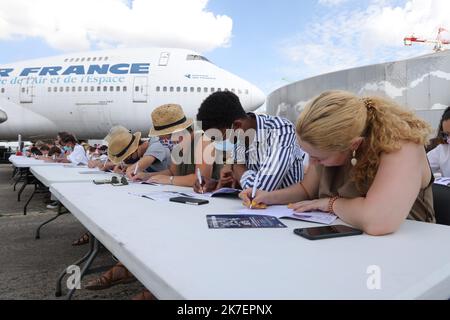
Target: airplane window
[(205, 90), (232, 90), (124, 89), (77, 59), (218, 89), (71, 60), (178, 89), (111, 88), (86, 89), (165, 89), (185, 89), (94, 59), (92, 89), (67, 89), (49, 89), (212, 89), (74, 89), (61, 89), (65, 60), (99, 89), (158, 89), (199, 89), (100, 59), (226, 89), (55, 89), (118, 89), (246, 91), (105, 88), (136, 88), (106, 58), (88, 59), (171, 89), (82, 59), (23, 90), (239, 91), (3, 90), (192, 89)]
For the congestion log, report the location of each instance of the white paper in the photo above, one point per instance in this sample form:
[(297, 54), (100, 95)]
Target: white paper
[(442, 181), (285, 212)]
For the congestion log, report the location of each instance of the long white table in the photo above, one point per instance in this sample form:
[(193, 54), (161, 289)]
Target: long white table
[(27, 162), (67, 174), (170, 249)]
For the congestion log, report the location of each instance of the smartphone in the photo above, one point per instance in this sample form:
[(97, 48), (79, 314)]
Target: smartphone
[(187, 200), (326, 232)]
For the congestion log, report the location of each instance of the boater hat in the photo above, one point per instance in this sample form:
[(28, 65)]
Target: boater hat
[(168, 119), (122, 144)]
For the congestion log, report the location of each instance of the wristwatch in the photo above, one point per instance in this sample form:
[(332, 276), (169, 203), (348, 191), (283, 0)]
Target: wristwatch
[(171, 179)]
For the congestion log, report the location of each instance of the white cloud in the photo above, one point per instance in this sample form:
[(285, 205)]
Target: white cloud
[(331, 3), (346, 39), (83, 24)]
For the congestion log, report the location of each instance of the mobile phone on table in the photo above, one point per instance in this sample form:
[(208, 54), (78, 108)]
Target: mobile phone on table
[(326, 232), (187, 200)]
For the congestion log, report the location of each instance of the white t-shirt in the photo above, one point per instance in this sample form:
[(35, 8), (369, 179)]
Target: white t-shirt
[(78, 156), (440, 159)]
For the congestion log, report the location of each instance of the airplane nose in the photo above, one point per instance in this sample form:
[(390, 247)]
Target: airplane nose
[(258, 98), (3, 116)]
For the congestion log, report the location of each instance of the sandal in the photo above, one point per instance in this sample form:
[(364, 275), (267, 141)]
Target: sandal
[(84, 239), (118, 274), (144, 295)]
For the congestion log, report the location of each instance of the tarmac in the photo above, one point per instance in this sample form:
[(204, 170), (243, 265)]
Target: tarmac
[(29, 268)]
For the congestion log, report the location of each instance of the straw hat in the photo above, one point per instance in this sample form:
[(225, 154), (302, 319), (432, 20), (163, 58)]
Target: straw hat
[(121, 144), (114, 130), (168, 119)]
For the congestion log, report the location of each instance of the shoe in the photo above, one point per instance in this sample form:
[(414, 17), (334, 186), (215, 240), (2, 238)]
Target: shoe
[(53, 205), (114, 276), (144, 295)]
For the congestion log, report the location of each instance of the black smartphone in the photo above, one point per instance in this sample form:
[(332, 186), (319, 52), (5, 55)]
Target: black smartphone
[(326, 232), (188, 200)]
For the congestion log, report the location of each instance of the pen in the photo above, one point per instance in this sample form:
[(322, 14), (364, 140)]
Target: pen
[(136, 168), (199, 177), (255, 185)]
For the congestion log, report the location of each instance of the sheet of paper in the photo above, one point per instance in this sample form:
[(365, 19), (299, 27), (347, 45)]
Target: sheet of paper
[(285, 212), (442, 181)]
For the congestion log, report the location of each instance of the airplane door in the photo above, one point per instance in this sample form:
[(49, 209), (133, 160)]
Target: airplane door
[(164, 59), (26, 93), (140, 89)]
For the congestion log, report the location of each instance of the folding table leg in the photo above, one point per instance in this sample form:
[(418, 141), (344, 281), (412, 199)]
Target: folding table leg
[(29, 200), (60, 213), (58, 291), (96, 248)]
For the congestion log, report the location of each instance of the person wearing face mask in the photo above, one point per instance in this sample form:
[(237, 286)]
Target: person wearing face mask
[(439, 157), (136, 155), (74, 151), (171, 124), (368, 164), (265, 147)]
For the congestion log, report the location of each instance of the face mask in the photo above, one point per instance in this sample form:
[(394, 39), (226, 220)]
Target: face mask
[(448, 140), (67, 149), (169, 144), (226, 146)]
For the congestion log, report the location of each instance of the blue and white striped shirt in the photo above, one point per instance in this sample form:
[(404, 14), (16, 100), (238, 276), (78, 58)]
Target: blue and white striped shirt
[(274, 158)]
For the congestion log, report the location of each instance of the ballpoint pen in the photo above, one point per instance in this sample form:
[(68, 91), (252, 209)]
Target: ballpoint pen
[(199, 177), (255, 186)]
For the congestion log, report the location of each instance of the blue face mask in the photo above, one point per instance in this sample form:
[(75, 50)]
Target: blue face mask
[(66, 148), (226, 146)]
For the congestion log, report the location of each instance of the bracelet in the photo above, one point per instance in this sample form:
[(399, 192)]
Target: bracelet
[(331, 203), (306, 191), (171, 179)]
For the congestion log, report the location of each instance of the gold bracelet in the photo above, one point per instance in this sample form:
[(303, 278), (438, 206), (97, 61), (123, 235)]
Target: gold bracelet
[(331, 203), (306, 191)]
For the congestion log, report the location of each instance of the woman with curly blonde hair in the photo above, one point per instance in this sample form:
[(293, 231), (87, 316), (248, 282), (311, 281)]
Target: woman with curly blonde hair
[(367, 163)]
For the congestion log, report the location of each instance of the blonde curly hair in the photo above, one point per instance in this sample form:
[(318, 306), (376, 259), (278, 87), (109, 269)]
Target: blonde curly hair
[(332, 120)]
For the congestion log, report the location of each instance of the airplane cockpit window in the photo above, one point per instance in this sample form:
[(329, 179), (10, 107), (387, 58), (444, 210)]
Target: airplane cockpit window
[(191, 57)]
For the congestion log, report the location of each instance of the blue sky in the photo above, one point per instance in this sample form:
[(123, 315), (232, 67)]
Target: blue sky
[(270, 43)]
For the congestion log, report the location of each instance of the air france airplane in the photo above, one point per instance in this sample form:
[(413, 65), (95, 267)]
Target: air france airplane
[(90, 92)]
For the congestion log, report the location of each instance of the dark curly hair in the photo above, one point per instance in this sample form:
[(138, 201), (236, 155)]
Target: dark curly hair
[(438, 139), (220, 110)]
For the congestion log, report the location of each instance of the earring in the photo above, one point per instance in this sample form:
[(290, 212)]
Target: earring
[(354, 161)]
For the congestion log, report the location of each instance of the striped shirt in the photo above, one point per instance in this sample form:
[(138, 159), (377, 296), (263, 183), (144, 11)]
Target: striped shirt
[(274, 158)]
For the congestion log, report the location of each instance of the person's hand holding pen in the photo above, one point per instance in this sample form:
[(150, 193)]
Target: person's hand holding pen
[(200, 181), (260, 198)]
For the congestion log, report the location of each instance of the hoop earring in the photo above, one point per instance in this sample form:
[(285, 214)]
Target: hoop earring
[(354, 161)]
